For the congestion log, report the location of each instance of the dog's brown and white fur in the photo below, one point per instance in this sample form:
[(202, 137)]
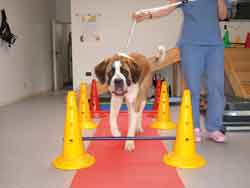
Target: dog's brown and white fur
[(130, 77)]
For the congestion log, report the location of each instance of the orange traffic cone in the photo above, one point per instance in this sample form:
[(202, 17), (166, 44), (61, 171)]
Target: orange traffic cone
[(94, 101), (184, 154), (84, 112), (238, 39), (237, 43), (163, 117), (73, 155)]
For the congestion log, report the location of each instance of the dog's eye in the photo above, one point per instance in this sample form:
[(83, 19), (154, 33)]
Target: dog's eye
[(124, 72), (111, 72)]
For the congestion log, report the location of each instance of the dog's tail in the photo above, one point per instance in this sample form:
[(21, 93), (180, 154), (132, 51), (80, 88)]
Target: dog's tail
[(164, 58)]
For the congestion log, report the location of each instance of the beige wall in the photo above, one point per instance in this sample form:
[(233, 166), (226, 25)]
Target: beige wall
[(25, 69), (114, 25), (62, 10)]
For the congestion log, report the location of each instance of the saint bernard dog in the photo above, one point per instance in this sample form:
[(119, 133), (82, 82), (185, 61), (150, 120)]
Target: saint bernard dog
[(130, 77)]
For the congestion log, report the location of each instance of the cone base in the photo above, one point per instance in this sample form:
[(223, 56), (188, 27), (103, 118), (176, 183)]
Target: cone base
[(88, 125), (163, 125), (194, 161), (83, 161)]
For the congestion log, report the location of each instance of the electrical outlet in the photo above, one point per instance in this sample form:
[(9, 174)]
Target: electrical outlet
[(88, 74)]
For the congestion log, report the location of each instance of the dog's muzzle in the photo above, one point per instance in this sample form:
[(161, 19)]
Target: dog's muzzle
[(119, 87)]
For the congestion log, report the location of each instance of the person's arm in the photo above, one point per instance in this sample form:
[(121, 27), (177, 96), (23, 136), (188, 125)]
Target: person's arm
[(152, 13), (222, 9)]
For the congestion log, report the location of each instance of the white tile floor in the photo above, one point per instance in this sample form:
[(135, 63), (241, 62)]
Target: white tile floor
[(31, 137)]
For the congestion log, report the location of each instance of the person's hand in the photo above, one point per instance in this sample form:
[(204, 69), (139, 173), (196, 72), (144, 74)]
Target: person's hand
[(141, 15)]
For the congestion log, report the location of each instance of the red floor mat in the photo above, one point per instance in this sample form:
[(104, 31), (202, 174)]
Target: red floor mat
[(116, 168)]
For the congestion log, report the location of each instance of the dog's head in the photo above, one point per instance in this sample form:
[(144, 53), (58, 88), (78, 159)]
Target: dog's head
[(118, 72)]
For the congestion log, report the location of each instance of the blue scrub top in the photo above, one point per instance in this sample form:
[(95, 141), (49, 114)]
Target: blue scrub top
[(201, 23)]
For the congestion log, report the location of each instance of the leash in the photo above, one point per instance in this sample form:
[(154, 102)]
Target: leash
[(131, 33)]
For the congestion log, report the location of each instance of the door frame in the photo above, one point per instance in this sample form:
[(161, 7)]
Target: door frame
[(54, 53)]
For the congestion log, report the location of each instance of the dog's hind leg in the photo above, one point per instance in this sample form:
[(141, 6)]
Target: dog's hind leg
[(115, 105), (141, 100), (139, 128)]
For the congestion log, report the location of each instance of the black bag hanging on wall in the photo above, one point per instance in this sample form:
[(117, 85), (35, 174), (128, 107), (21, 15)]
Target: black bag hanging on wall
[(5, 32)]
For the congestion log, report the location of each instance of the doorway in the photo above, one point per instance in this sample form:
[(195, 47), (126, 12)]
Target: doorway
[(62, 56)]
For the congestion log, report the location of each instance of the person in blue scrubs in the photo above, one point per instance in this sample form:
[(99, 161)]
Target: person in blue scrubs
[(202, 54)]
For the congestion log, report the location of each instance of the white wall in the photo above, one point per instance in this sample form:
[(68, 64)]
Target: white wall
[(114, 26), (25, 69)]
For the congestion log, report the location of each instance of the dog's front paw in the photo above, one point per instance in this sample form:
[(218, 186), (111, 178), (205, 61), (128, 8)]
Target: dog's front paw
[(139, 129), (130, 145), (115, 132)]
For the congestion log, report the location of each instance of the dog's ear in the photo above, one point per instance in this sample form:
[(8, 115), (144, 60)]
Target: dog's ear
[(135, 71), (100, 71)]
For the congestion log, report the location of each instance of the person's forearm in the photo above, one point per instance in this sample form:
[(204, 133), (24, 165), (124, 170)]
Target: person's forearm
[(161, 11), (158, 12), (222, 9)]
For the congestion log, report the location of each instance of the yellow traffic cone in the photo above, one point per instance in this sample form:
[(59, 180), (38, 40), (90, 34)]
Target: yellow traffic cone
[(84, 112), (73, 156), (184, 154), (163, 115)]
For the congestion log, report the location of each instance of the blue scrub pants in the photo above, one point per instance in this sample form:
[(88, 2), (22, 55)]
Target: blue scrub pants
[(205, 60)]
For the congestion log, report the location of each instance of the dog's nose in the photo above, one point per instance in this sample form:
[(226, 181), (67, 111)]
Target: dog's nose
[(118, 82)]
